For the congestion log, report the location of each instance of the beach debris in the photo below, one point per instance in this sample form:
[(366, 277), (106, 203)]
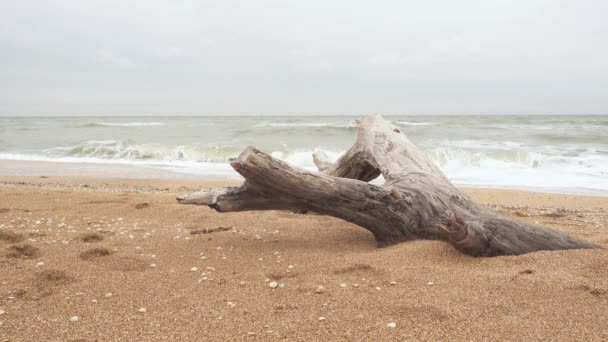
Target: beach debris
[(231, 304), (391, 325), (94, 253), (211, 230), (142, 205), (91, 237), (320, 290), (273, 284), (74, 319)]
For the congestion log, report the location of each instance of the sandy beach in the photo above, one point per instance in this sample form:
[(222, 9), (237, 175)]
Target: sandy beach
[(94, 259)]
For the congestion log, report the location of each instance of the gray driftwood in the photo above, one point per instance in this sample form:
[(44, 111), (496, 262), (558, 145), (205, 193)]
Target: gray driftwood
[(417, 201)]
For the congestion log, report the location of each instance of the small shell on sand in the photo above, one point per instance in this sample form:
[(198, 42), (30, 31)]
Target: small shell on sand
[(2, 312), (273, 284), (320, 290), (392, 325), (194, 269), (74, 319), (39, 264), (142, 310), (321, 319), (343, 285)]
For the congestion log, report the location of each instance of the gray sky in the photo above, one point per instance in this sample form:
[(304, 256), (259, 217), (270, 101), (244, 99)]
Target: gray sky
[(138, 57)]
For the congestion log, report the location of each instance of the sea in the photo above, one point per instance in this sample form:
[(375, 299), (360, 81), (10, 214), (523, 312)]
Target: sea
[(567, 154)]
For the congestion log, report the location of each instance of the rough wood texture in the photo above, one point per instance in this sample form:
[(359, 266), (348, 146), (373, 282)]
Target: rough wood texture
[(416, 202)]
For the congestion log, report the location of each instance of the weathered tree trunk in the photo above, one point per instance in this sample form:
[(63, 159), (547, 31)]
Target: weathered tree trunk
[(416, 202)]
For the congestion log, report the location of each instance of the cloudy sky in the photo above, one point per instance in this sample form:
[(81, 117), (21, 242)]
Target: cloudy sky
[(279, 57)]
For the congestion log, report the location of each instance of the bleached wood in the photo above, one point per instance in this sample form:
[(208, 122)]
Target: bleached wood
[(417, 201)]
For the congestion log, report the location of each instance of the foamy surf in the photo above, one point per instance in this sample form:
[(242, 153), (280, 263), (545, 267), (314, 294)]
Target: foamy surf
[(558, 153)]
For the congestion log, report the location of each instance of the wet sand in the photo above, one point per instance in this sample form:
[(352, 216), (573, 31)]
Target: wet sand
[(120, 256)]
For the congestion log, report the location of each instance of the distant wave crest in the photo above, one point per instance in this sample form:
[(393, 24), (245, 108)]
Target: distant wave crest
[(351, 124), (408, 123), (124, 124)]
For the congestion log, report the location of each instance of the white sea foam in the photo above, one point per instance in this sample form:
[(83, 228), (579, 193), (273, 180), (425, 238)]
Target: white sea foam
[(408, 123), (128, 124), (350, 124)]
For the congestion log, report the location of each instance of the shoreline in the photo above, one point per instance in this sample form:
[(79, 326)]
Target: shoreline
[(113, 169), (128, 261)]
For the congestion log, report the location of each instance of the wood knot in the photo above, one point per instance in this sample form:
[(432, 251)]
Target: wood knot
[(396, 194)]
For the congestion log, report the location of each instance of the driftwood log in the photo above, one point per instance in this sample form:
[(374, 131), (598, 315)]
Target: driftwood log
[(417, 201)]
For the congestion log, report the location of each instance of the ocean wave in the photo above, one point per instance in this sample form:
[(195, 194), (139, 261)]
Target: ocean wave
[(504, 168), (351, 124), (124, 124), (127, 150), (408, 123)]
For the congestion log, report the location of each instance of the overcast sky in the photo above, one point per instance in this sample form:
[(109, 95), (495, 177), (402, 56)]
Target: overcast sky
[(234, 57)]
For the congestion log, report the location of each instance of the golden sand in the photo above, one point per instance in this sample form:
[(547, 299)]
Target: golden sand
[(94, 259)]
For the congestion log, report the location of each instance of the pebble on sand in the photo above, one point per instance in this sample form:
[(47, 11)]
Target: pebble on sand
[(39, 264), (108, 295), (320, 289), (273, 284), (2, 312), (142, 310), (343, 285), (393, 283), (430, 283), (74, 319), (194, 269), (321, 319), (153, 265), (392, 325)]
